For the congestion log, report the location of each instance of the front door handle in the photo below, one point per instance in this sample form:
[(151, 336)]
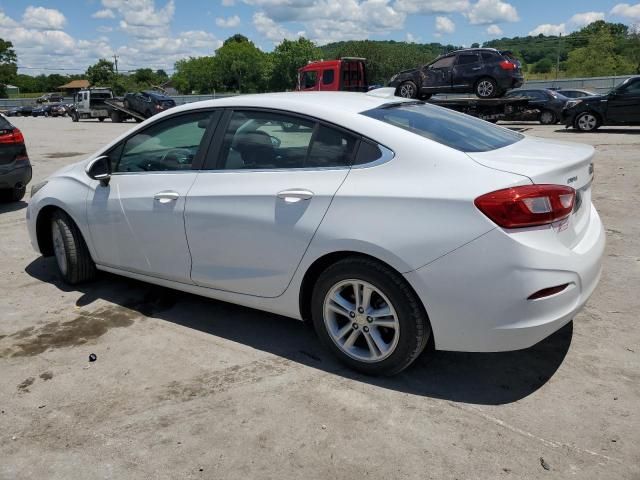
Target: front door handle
[(476, 68), (295, 195), (166, 197)]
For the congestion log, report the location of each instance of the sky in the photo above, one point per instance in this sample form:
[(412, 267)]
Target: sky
[(66, 36)]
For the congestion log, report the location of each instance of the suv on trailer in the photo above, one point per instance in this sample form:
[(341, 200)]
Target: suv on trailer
[(148, 103), (621, 106), (487, 72), (347, 74)]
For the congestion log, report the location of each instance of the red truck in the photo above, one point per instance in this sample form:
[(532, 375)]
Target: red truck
[(347, 74)]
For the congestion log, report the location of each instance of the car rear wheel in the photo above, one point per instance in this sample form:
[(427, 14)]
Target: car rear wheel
[(369, 317), (547, 117), (18, 193), (587, 122), (72, 255), (407, 89), (486, 88), (74, 116)]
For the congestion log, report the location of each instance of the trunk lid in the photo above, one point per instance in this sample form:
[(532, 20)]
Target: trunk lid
[(546, 161)]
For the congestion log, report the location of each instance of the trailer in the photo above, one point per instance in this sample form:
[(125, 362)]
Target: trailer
[(119, 113), (489, 109)]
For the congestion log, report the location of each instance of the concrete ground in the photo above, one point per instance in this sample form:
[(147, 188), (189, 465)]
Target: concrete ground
[(185, 387)]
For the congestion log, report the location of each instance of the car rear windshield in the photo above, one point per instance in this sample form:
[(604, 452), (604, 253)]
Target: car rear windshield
[(453, 129)]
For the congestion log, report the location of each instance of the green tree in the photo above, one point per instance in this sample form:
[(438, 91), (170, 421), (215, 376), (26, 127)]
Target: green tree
[(196, 74), (8, 66), (101, 73), (598, 58), (544, 65), (144, 76), (287, 58), (238, 65)]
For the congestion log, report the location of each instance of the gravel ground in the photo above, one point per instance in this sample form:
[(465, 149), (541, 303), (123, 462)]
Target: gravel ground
[(185, 387)]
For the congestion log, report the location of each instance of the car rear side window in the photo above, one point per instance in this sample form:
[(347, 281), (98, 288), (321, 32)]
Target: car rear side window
[(467, 58), (489, 56), (453, 129)]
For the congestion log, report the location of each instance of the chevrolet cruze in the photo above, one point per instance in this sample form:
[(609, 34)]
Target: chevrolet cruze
[(386, 222)]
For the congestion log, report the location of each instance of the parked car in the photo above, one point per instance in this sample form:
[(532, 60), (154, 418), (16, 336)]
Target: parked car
[(59, 110), (148, 103), (20, 111), (621, 106), (383, 220), (576, 93), (15, 168), (545, 105), (43, 110), (50, 97), (487, 72)]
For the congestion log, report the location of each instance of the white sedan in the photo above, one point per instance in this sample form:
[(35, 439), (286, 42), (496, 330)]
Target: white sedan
[(389, 223)]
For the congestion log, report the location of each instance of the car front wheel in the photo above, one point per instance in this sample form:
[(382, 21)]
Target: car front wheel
[(587, 122), (407, 89), (547, 117), (72, 255), (369, 317)]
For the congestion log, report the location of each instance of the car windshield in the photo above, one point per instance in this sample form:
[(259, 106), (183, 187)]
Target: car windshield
[(453, 129)]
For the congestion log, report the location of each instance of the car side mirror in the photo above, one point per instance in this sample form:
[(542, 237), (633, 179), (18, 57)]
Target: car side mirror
[(100, 169)]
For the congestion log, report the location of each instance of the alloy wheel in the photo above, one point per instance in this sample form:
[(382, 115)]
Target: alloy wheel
[(587, 122), (407, 90), (485, 88), (361, 320)]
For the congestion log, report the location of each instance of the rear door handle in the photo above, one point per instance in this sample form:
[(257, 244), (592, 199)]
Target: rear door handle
[(295, 195), (166, 197), (476, 68)]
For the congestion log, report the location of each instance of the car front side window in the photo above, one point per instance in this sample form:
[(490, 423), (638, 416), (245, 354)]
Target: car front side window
[(168, 145)]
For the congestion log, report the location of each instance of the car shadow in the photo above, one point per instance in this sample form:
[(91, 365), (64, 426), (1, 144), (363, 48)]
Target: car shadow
[(477, 378), (12, 206)]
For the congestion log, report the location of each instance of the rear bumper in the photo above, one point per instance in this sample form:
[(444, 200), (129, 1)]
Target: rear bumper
[(476, 296), (15, 176), (510, 82)]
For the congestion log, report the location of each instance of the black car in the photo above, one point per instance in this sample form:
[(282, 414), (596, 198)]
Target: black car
[(487, 72), (576, 92), (50, 97), (43, 110), (545, 105), (15, 168), (21, 111), (621, 106), (148, 103)]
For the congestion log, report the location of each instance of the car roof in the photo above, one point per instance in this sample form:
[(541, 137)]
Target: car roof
[(158, 95), (324, 105)]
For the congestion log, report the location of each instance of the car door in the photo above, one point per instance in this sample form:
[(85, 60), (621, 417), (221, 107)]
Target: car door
[(467, 69), (624, 105), (437, 77), (136, 221), (252, 214)]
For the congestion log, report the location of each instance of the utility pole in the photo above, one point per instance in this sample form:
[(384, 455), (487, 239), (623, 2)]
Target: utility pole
[(558, 57), (115, 60)]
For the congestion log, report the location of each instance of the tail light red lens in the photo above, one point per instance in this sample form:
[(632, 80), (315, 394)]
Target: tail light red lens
[(13, 137), (507, 65), (527, 206)]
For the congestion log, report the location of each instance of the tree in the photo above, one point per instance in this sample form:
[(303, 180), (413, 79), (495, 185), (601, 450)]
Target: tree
[(238, 65), (598, 58), (100, 73), (8, 66), (544, 65), (196, 75), (145, 76), (287, 58)]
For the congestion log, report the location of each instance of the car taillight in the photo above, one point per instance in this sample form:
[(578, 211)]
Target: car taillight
[(527, 206), (13, 137), (507, 65)]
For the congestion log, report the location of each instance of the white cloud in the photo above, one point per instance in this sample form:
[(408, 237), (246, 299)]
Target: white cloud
[(549, 29), (106, 13), (271, 30), (444, 25), (228, 3), (230, 22), (626, 10), (582, 19), (410, 38), (427, 7), (485, 12), (494, 29), (41, 18)]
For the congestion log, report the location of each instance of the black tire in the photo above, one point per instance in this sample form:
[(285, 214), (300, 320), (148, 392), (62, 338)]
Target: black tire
[(414, 328), (116, 117), (79, 265), (101, 119), (74, 116), (547, 117), (407, 89), (587, 122), (486, 88), (18, 193)]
